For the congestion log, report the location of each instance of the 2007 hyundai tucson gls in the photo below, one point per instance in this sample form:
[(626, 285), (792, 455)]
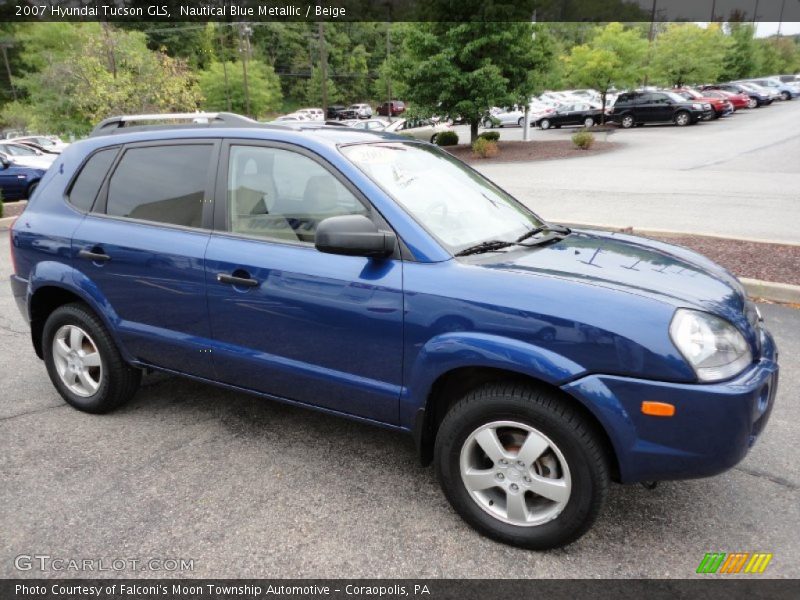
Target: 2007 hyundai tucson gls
[(378, 278)]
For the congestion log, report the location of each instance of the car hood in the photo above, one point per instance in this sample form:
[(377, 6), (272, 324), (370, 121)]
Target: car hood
[(634, 265)]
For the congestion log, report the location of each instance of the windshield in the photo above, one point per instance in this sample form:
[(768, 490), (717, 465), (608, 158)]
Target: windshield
[(675, 97), (454, 203)]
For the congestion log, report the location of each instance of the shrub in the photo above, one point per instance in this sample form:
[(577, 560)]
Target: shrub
[(447, 138), (491, 136), (484, 148), (583, 139)]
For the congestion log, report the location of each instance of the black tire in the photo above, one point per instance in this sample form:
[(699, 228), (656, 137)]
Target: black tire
[(488, 124), (31, 188), (521, 122), (786, 96), (547, 412), (588, 122), (544, 124), (433, 138), (627, 121), (119, 381), (753, 102)]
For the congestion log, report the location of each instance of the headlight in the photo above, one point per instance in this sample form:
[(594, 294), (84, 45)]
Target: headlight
[(707, 106), (715, 348), (697, 106)]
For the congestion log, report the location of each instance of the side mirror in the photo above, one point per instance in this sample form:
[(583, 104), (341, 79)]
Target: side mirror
[(353, 235), (5, 162)]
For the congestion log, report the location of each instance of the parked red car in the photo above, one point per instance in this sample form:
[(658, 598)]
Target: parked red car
[(392, 109), (738, 100), (721, 106)]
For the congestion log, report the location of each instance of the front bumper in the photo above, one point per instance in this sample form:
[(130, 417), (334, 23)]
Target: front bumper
[(713, 427)]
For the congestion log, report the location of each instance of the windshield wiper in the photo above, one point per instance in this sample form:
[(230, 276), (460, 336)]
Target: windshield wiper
[(554, 233), (559, 229), (490, 246)]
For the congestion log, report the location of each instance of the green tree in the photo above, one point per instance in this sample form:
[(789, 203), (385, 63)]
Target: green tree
[(614, 57), (741, 55), (81, 73), (687, 53), (263, 87), (778, 55), (466, 68)]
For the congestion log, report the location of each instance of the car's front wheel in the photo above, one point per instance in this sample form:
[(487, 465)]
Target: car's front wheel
[(83, 362), (544, 124), (682, 119), (521, 466), (488, 123), (752, 103), (588, 122), (628, 121), (786, 95)]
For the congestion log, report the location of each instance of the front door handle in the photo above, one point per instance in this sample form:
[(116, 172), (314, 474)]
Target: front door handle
[(94, 256), (237, 281)]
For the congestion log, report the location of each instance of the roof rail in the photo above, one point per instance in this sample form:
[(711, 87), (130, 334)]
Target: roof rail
[(201, 119)]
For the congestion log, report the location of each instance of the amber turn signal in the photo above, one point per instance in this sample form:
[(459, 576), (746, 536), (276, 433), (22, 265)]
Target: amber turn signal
[(658, 409)]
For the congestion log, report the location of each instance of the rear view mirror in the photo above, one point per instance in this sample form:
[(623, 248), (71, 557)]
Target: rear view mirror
[(353, 235)]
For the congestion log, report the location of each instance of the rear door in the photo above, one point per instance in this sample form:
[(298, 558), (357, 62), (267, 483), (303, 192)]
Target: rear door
[(142, 248), (288, 320)]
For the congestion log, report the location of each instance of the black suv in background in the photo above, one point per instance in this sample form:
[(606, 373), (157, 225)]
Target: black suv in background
[(639, 108)]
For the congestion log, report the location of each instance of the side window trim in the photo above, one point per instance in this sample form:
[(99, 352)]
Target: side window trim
[(101, 202)]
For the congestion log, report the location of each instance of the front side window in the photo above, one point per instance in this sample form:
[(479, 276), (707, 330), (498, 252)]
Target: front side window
[(165, 184), (282, 195), (454, 203)]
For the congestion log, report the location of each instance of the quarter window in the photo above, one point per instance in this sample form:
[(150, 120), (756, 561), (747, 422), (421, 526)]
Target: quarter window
[(87, 184), (165, 184), (283, 195)]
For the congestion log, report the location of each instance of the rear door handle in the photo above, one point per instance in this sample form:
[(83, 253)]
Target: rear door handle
[(237, 281), (94, 256)]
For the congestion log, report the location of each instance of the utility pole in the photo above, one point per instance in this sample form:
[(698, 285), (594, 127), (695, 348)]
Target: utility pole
[(780, 18), (223, 51), (244, 47), (389, 70), (755, 12), (713, 10), (651, 35), (4, 46), (323, 60)]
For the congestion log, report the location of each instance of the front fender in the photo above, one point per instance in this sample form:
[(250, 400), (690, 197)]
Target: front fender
[(63, 276), (454, 350)]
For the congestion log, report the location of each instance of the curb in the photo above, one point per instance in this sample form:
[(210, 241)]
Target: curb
[(5, 223), (669, 232), (774, 292)]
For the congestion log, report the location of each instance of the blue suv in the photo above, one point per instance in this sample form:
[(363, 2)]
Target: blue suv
[(378, 278)]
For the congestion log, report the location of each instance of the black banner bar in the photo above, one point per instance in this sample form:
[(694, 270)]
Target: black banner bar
[(400, 10), (392, 589)]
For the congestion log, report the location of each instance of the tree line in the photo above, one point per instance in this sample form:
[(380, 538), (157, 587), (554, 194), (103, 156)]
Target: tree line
[(64, 77)]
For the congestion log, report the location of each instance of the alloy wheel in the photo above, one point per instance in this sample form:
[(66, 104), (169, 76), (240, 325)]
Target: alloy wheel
[(77, 360), (515, 473)]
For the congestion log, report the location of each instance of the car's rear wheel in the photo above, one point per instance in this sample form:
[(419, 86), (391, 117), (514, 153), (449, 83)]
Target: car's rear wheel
[(588, 122), (544, 124), (682, 119), (521, 122), (433, 138), (521, 466), (31, 188), (83, 362), (786, 95), (628, 121)]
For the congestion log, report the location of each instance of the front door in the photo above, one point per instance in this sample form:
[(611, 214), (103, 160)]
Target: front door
[(289, 320)]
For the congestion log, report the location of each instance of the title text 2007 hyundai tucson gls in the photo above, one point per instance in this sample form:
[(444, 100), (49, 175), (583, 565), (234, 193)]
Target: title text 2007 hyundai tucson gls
[(378, 278)]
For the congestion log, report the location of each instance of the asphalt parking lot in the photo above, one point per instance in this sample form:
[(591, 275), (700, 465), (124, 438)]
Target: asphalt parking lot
[(736, 177), (245, 487)]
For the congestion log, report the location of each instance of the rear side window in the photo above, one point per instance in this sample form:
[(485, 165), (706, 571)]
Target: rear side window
[(165, 184), (87, 184)]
